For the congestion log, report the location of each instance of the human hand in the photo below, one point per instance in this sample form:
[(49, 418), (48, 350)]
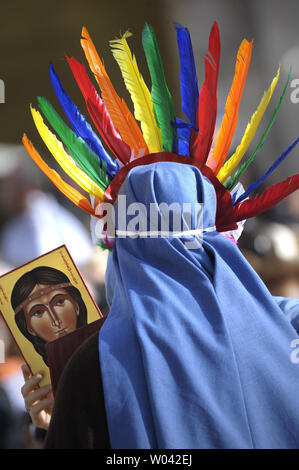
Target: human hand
[(39, 401)]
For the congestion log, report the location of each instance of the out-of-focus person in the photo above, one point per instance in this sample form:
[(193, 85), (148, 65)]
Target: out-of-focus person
[(34, 222)]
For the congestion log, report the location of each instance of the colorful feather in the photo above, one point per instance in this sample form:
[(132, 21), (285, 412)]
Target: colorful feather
[(79, 150), (232, 180), (269, 198), (257, 183), (188, 77), (122, 118), (81, 127), (202, 137), (99, 113), (162, 100), (249, 134), (141, 97), (230, 117), (71, 193), (87, 159), (65, 161)]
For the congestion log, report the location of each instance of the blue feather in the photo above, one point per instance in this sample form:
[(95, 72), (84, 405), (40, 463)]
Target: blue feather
[(188, 77), (79, 124), (254, 185)]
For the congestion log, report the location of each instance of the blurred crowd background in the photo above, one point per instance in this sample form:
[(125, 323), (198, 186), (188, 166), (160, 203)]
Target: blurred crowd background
[(35, 217)]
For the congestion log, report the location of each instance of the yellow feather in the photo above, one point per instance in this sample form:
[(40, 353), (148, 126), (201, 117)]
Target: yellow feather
[(249, 134), (65, 160), (141, 97)]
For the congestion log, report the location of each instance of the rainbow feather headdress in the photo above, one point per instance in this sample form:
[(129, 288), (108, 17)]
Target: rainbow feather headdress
[(161, 136)]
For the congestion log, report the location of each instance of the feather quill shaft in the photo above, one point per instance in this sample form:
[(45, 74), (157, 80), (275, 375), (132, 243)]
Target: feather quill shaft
[(232, 180), (141, 97), (161, 97), (257, 183), (99, 112), (188, 76), (65, 161), (230, 118), (71, 193), (202, 137), (249, 134), (120, 114), (79, 124), (78, 149)]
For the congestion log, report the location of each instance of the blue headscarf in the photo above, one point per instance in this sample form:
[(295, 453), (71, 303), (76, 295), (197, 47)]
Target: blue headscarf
[(195, 352)]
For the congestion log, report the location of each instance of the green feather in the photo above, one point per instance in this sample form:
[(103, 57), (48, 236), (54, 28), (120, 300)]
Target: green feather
[(232, 180), (162, 100), (79, 150)]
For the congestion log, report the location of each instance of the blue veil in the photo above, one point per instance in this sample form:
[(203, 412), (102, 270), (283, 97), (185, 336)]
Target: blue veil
[(195, 352)]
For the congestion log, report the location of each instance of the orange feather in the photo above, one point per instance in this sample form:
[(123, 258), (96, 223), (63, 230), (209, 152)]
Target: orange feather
[(120, 114), (230, 117), (68, 190)]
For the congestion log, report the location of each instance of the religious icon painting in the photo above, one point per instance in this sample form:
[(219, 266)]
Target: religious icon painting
[(42, 301)]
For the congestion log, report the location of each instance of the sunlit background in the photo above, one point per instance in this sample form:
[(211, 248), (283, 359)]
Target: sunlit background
[(33, 33)]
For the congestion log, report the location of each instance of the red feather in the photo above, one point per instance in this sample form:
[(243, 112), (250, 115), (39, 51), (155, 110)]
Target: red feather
[(269, 198), (99, 113), (201, 140)]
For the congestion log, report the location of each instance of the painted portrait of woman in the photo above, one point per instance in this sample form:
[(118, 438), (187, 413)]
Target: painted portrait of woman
[(47, 306)]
